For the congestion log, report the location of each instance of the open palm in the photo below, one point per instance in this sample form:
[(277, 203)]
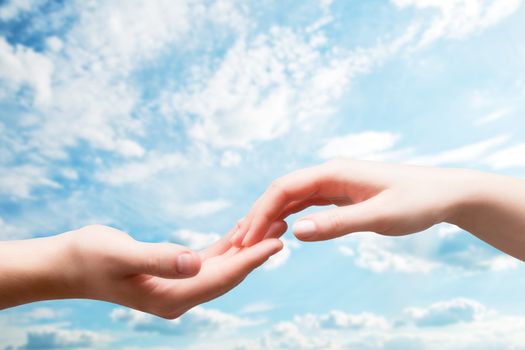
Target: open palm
[(223, 267)]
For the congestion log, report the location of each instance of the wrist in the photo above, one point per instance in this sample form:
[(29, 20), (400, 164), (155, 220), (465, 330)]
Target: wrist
[(469, 189)]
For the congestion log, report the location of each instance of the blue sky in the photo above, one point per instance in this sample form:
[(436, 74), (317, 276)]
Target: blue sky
[(166, 119)]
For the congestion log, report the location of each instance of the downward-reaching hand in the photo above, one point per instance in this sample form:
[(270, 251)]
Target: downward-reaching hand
[(394, 200)]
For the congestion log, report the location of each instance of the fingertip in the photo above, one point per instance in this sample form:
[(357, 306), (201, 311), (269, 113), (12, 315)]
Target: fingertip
[(277, 229), (247, 240), (272, 245), (305, 229), (279, 245), (188, 264), (253, 236), (237, 240)]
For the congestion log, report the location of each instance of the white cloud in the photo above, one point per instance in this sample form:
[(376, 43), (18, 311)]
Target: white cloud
[(467, 324), (21, 65), (258, 307), (11, 9), (346, 250), (232, 106), (377, 255), (511, 157), (18, 181), (262, 87), (288, 335), (142, 170), (50, 337), (493, 116), (337, 319), (381, 146), (363, 145), (281, 257), (446, 313), (90, 100), (456, 19), (193, 239), (438, 248), (197, 209), (446, 230), (500, 263), (126, 41), (265, 85), (41, 325), (230, 159), (70, 174), (198, 321), (10, 232), (54, 44), (461, 155), (45, 313)]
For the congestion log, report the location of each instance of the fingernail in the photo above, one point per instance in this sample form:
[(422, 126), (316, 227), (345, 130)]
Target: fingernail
[(304, 229), (236, 238), (246, 239), (186, 264)]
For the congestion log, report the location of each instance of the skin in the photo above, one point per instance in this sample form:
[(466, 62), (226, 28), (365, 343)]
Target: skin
[(391, 200), (103, 263)]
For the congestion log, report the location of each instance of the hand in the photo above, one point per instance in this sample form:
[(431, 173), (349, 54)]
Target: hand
[(384, 198), (99, 262)]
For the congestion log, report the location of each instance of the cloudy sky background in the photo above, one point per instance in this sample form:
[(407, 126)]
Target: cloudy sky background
[(168, 118)]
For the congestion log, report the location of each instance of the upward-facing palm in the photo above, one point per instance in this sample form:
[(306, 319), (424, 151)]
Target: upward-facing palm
[(145, 283)]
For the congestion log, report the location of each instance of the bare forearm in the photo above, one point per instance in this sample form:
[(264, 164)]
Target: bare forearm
[(493, 209), (33, 270)]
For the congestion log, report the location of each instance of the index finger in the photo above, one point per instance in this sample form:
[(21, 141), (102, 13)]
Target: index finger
[(299, 185)]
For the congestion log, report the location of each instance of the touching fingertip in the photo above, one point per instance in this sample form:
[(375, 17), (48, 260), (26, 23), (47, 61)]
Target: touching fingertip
[(279, 245), (304, 229), (245, 241)]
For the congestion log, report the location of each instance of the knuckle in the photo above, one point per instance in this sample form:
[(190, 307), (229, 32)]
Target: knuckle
[(153, 264), (102, 230), (278, 189), (276, 185), (336, 221), (95, 228)]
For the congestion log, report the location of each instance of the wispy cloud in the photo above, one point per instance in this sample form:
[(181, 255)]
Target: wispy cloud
[(141, 170), (18, 181), (282, 257), (196, 209), (456, 19), (194, 239), (423, 254), (494, 116), (21, 65), (198, 321), (55, 338), (462, 155), (510, 157), (446, 313), (258, 307), (366, 145)]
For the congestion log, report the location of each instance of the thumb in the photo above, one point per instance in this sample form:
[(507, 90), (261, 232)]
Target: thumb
[(165, 260), (364, 216)]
